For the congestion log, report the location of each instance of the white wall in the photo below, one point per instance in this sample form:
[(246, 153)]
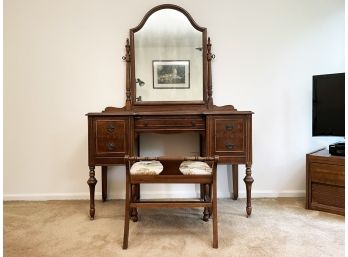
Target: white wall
[(62, 59)]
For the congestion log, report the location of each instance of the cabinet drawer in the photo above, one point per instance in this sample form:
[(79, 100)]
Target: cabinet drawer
[(110, 136), (229, 135), (327, 173), (169, 123), (327, 195)]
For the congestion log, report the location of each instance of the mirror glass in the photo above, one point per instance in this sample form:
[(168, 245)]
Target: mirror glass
[(168, 59)]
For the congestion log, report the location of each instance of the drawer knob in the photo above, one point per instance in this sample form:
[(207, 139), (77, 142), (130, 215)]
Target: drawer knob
[(229, 127), (229, 146), (111, 146), (110, 128), (193, 123)]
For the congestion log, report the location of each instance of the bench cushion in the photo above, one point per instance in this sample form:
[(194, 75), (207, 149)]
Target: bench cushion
[(195, 168), (146, 168)]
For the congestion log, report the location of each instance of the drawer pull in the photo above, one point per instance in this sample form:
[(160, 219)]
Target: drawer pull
[(110, 128), (193, 123), (111, 146), (229, 146), (229, 127)]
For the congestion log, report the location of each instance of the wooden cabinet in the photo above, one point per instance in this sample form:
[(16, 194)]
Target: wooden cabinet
[(230, 138), (325, 182), (108, 139)]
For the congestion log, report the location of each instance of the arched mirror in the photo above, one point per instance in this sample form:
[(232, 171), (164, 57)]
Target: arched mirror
[(168, 64)]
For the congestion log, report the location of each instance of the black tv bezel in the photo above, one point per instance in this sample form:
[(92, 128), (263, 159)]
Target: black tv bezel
[(314, 85)]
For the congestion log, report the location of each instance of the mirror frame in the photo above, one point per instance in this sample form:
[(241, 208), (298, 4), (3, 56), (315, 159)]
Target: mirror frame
[(131, 86)]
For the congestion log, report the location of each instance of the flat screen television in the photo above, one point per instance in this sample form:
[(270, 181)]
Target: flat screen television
[(328, 105)]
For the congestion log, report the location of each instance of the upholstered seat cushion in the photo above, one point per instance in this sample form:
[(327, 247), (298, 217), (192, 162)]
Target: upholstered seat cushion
[(195, 168), (146, 168)]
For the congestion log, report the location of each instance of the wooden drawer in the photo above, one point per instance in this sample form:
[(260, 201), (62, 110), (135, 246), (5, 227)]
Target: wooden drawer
[(327, 173), (229, 136), (143, 123), (327, 196), (110, 137)]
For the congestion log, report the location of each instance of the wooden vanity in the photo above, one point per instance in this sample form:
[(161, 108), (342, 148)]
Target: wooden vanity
[(224, 131)]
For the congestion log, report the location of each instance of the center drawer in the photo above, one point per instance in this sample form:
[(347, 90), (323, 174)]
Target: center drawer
[(169, 123)]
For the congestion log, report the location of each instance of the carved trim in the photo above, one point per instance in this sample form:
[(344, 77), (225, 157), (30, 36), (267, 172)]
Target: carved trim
[(168, 6), (114, 109), (223, 108), (127, 57)]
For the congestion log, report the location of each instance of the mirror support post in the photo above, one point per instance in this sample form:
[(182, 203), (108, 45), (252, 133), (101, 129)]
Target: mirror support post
[(210, 56), (127, 58)]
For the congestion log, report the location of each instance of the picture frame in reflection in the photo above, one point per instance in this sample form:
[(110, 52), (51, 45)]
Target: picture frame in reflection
[(171, 74)]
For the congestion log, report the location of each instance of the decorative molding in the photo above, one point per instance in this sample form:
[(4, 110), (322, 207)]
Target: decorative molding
[(114, 109), (224, 108), (168, 6), (150, 195)]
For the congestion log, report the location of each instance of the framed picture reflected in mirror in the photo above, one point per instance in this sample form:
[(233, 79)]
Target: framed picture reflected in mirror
[(171, 74)]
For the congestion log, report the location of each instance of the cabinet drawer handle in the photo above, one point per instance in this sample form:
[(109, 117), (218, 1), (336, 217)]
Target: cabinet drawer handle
[(110, 128), (111, 146), (229, 146), (229, 127), (193, 123)]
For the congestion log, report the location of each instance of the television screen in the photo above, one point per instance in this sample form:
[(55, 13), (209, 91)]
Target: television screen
[(328, 105)]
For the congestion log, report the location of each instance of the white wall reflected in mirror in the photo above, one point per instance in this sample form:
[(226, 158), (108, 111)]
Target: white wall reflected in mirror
[(168, 59)]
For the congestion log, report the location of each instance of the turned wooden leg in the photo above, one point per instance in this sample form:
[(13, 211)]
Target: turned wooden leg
[(104, 182), (91, 182), (248, 182), (235, 181), (134, 211), (206, 212)]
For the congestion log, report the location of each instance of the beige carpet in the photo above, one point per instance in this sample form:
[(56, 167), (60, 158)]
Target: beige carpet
[(277, 227)]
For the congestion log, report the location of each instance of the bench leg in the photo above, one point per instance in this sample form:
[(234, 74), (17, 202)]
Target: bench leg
[(138, 192), (134, 196), (202, 192), (210, 197), (206, 212), (126, 217), (215, 221)]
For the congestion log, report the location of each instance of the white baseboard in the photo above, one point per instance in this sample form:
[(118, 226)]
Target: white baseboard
[(149, 195), (46, 197)]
